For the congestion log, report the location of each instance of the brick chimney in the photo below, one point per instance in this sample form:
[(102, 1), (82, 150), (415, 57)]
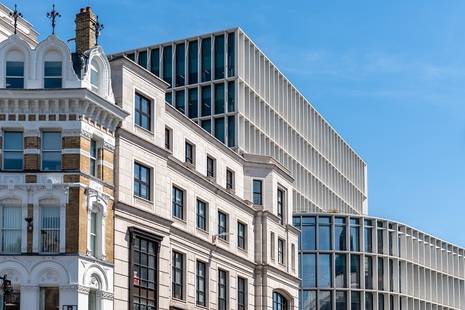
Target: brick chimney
[(85, 30)]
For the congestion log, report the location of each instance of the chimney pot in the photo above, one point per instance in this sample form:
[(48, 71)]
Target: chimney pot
[(83, 10), (88, 9)]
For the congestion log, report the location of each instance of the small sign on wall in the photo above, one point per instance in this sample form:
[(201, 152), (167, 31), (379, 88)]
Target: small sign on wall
[(74, 307)]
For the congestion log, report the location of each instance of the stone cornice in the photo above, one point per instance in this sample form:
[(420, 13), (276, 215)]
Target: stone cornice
[(81, 103)]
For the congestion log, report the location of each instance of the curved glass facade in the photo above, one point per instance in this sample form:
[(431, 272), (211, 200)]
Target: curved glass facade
[(354, 262)]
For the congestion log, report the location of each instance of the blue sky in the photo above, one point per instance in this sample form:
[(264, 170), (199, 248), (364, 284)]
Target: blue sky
[(388, 76)]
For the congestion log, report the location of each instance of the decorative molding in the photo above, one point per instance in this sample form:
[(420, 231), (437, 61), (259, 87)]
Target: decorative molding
[(70, 287), (106, 295), (30, 288), (82, 289)]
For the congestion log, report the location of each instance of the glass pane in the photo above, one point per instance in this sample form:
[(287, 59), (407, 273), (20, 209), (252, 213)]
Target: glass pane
[(51, 161), (193, 103), (326, 302), (231, 97), (308, 300), (193, 62), (14, 83), (206, 101), (167, 64), (52, 68), (51, 141), (231, 54), (308, 243), (206, 60), (52, 83), (219, 57), (355, 301), (341, 300), (180, 63), (231, 131), (155, 62), (340, 238), (219, 129), (207, 125), (355, 271), (219, 98), (340, 265), (14, 68), (324, 274), (308, 270), (13, 140), (324, 237), (180, 104)]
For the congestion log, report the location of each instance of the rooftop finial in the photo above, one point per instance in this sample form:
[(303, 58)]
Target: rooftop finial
[(98, 27), (15, 14), (52, 15)]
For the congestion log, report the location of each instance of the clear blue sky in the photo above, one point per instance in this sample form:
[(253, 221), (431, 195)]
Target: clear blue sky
[(389, 76)]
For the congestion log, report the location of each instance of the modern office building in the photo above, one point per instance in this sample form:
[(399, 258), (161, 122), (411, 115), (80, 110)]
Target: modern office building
[(224, 83), (354, 262)]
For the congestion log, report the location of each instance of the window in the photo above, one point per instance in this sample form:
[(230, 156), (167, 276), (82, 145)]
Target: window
[(257, 192), (93, 157), (13, 150), (189, 152), (201, 215), (92, 300), (49, 298), (281, 206), (144, 269), (11, 229), (50, 229), (142, 112), (272, 246), (167, 138), (222, 289), (14, 74), (141, 181), (201, 289), (94, 76), (293, 256), (222, 225), (229, 179), (279, 302), (51, 150), (241, 235), (93, 234), (178, 203), (52, 74), (280, 251), (178, 277), (210, 167), (241, 293)]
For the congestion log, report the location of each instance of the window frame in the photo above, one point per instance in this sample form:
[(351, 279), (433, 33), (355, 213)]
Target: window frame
[(177, 204), (201, 219), (281, 251), (17, 229), (257, 195), (222, 285), (241, 235), (198, 289), (211, 167), (141, 183), (189, 153), (44, 151), (229, 179), (51, 77), (168, 138), (19, 78), (143, 111), (222, 229), (241, 293), (281, 205), (93, 158), (177, 268), (135, 282), (55, 231), (280, 302), (6, 150)]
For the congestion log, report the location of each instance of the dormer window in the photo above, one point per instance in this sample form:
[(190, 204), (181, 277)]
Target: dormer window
[(52, 74), (94, 77), (14, 74)]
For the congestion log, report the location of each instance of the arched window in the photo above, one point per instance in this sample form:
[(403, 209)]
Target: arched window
[(14, 70), (94, 76), (95, 245), (279, 302), (53, 70)]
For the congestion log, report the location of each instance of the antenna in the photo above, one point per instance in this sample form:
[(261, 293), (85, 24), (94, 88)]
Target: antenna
[(15, 14)]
